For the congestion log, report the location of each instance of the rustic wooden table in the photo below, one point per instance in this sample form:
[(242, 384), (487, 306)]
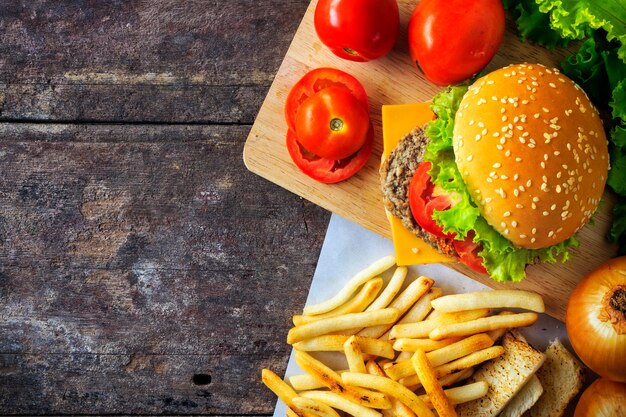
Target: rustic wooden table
[(143, 269)]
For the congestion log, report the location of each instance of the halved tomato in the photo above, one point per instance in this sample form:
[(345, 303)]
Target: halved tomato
[(423, 201), (332, 123), (468, 252), (317, 80), (328, 170)]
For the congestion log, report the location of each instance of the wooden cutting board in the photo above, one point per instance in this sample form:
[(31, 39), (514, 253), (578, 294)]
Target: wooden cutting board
[(395, 80)]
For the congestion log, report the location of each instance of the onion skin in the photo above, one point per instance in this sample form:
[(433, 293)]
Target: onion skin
[(596, 320), (603, 398)]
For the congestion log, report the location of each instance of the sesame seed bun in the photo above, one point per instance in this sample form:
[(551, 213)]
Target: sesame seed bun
[(532, 150)]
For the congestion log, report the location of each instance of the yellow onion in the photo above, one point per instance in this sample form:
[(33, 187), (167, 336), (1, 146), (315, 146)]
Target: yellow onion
[(603, 398), (596, 320)]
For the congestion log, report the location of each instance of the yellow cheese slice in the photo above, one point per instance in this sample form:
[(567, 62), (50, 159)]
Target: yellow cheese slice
[(398, 120)]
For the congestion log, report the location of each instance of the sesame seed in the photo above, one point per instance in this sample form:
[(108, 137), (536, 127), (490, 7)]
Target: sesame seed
[(545, 213), (543, 165), (516, 177), (516, 192), (500, 147), (470, 157), (471, 122), (545, 109), (477, 137), (522, 236), (508, 152), (533, 205), (504, 118), (553, 207), (514, 223), (536, 115), (504, 177), (503, 224), (519, 206), (532, 240), (536, 199), (497, 165), (415, 250), (544, 187), (518, 159), (506, 231), (552, 85), (558, 188), (551, 233)]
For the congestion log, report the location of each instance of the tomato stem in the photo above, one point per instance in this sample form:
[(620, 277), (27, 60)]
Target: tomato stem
[(336, 125)]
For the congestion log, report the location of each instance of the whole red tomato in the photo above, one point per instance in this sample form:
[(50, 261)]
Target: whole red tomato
[(454, 39), (358, 30), (332, 123)]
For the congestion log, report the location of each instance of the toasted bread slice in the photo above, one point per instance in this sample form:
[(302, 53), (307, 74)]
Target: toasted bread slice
[(524, 399), (506, 376), (562, 377)]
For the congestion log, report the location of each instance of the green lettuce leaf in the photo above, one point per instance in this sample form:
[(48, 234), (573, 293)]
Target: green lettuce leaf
[(618, 230), (503, 261), (534, 25), (574, 18), (617, 174)]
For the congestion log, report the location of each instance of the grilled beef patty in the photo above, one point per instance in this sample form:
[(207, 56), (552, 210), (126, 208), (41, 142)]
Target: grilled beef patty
[(395, 175)]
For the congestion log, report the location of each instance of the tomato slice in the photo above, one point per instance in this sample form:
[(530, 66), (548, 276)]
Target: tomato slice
[(317, 80), (423, 202), (326, 170), (468, 252), (332, 123)]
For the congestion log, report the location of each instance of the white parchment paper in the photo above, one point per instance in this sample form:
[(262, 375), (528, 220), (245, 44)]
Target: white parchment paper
[(348, 248)]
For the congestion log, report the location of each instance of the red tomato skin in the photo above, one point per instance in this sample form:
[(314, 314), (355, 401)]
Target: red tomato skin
[(325, 170), (468, 253), (367, 28), (332, 123), (423, 203), (317, 80), (450, 41)]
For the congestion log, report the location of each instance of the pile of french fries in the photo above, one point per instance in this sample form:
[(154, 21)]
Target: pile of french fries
[(402, 347)]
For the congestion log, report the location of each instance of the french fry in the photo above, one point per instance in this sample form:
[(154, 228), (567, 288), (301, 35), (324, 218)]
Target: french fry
[(490, 299), (470, 360), (422, 329), (412, 382), (305, 382), (403, 356), (442, 355), (462, 394), (334, 343), (427, 345), (344, 294), (357, 304), (354, 355), (340, 402), (402, 303), (291, 413), (282, 391), (345, 322), (495, 335), (419, 311), (390, 388), (391, 290), (333, 381), (483, 324), (316, 407), (397, 408), (426, 375), (422, 307)]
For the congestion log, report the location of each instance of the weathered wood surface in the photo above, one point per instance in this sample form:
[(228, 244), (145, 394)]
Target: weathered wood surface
[(143, 269)]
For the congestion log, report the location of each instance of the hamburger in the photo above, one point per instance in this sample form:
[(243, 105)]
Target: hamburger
[(511, 168)]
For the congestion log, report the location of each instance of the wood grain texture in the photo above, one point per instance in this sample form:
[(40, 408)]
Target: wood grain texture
[(135, 257), (141, 61), (138, 257), (395, 80)]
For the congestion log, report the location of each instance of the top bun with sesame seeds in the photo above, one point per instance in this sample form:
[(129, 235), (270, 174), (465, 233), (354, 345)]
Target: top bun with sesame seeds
[(532, 151)]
